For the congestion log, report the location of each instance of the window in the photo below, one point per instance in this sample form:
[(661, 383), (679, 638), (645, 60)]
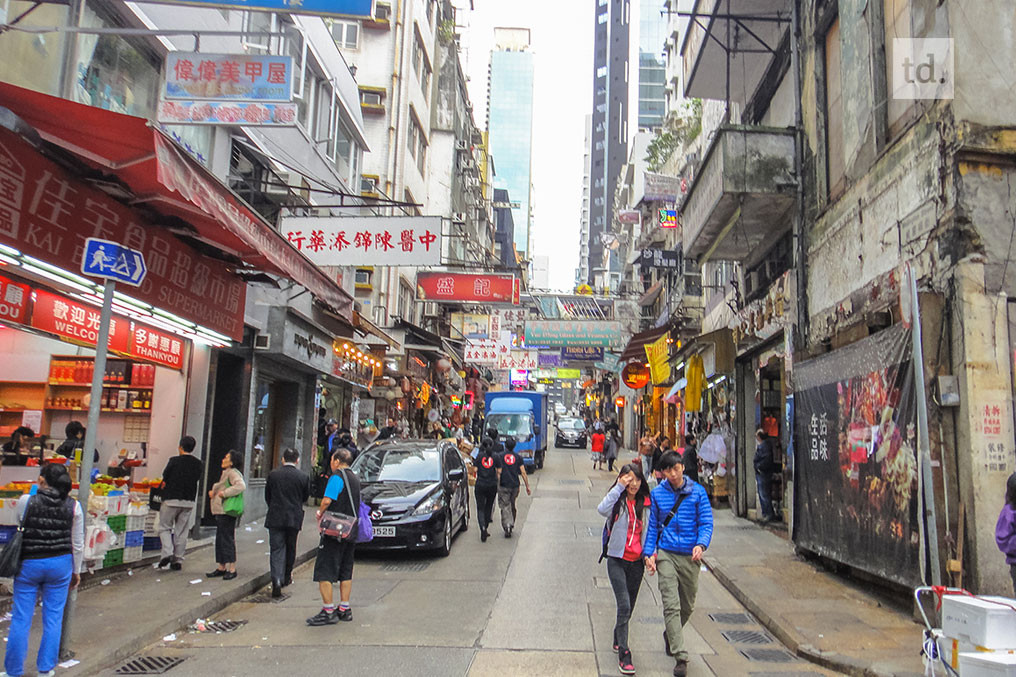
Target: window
[(421, 66), (430, 12), (417, 144), (896, 16), (369, 184), (362, 277), (835, 168), (601, 72), (370, 98), (382, 12), (324, 117), (346, 34), (344, 149), (601, 18)]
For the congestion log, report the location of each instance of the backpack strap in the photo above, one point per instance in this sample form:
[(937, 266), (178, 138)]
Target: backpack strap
[(608, 526), (670, 516)]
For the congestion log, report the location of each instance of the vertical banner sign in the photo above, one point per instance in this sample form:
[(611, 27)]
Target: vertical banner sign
[(855, 489), (657, 355)]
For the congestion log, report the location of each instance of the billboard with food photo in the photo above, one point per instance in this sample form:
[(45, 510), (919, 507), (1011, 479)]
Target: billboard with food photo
[(856, 495)]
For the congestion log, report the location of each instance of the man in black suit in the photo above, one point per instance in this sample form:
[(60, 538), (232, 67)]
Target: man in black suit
[(286, 492)]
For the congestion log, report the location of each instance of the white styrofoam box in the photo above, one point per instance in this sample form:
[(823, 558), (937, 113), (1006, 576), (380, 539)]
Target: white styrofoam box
[(132, 554), (135, 522), (987, 664), (988, 622)]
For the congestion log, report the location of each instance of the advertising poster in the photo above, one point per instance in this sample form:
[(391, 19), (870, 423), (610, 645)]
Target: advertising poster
[(855, 462)]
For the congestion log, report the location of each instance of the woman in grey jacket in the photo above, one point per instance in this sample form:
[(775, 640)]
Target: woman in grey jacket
[(624, 507)]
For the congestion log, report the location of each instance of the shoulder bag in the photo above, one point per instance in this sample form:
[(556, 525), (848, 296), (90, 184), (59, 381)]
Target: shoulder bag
[(338, 525), (233, 505), (670, 516), (10, 556)]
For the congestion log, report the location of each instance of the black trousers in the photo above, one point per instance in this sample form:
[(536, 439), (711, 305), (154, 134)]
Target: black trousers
[(282, 544), (485, 498), (625, 578), (225, 539)]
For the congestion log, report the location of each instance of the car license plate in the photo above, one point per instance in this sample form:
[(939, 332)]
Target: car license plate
[(384, 531)]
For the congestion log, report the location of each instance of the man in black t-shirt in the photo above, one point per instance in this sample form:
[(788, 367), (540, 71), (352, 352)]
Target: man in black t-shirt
[(334, 562), (511, 466)]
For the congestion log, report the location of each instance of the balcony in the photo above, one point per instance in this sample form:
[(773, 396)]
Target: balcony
[(747, 32), (742, 194)]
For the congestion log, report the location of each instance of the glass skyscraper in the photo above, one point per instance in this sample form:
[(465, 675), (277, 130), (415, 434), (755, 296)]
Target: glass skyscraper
[(510, 124), (652, 64)]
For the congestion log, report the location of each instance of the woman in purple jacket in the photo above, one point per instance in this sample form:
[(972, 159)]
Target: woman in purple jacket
[(1005, 530)]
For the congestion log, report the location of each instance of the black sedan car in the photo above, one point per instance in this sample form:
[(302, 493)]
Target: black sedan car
[(571, 432), (417, 492)]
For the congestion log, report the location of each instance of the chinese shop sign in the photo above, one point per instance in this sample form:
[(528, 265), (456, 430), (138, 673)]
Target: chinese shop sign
[(562, 333), (518, 359), (228, 77), (486, 351), (243, 113), (76, 321), (467, 287), (13, 300), (588, 353), (366, 241), (156, 346)]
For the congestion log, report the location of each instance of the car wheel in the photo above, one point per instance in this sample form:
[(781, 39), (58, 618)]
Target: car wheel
[(446, 539)]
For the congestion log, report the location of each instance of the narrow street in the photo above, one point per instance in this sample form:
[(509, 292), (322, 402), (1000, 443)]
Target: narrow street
[(535, 604)]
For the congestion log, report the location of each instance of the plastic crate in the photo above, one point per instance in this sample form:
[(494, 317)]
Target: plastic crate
[(112, 558), (152, 543), (133, 539), (6, 532), (118, 523), (132, 553), (135, 522)]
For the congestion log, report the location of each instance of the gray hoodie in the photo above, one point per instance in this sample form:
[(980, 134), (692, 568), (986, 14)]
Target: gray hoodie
[(620, 532)]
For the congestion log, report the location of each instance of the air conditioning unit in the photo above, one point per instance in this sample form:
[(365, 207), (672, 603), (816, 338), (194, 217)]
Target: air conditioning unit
[(468, 166), (459, 217), (431, 309), (262, 342), (461, 145)]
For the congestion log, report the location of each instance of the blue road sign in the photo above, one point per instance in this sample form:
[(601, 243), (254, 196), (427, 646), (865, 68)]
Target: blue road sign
[(113, 261), (332, 8)]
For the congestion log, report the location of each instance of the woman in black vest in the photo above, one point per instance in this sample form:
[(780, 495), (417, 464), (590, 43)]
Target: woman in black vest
[(51, 550), (485, 490)]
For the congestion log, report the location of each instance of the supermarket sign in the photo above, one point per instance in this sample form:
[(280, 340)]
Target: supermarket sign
[(13, 300), (79, 323)]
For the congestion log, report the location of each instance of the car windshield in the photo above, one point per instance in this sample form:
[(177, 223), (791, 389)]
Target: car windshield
[(510, 424), (398, 465), (571, 424)]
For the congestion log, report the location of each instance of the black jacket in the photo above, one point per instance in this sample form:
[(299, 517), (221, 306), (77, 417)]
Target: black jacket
[(763, 460), (48, 524), (181, 477), (286, 491), (690, 460)]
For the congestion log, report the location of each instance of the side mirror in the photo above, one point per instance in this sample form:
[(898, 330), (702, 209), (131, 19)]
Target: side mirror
[(456, 474), (536, 429)]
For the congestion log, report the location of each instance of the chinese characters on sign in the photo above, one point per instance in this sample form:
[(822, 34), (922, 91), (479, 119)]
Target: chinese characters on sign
[(509, 319), (13, 300), (76, 321), (156, 346), (518, 359), (487, 351), (228, 77), (366, 241), (479, 288), (818, 437), (248, 114), (659, 258)]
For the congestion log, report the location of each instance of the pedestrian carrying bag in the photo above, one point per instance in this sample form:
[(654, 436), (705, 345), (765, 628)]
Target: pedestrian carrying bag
[(233, 505), (336, 524), (10, 556), (670, 516)]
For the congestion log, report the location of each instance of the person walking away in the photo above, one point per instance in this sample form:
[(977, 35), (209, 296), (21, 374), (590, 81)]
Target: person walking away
[(1005, 528), (690, 458), (765, 466), (287, 489), (610, 449), (678, 531), (624, 506), (485, 464), (230, 484), (179, 490), (596, 447), (52, 546), (334, 561), (510, 468)]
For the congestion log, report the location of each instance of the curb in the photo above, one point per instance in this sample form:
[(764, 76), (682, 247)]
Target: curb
[(135, 643), (848, 665)]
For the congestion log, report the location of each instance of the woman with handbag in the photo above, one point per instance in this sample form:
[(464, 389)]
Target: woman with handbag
[(227, 506), (51, 540), (337, 523)]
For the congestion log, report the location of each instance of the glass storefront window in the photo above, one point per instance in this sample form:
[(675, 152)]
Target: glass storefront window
[(30, 60), (264, 432)]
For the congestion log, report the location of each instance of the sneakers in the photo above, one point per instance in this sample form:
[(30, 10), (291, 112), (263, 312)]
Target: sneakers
[(624, 664), (229, 575), (615, 648), (176, 566), (325, 617), (216, 573), (164, 562), (344, 614), (681, 669)]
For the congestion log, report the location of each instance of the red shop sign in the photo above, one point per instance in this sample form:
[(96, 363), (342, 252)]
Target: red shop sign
[(13, 300), (148, 343), (47, 213), (76, 321), (467, 287)]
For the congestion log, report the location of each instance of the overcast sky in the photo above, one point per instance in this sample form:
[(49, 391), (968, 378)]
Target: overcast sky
[(562, 41)]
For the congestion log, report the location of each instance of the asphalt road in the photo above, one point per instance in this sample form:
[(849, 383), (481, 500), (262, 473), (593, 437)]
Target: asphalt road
[(536, 604)]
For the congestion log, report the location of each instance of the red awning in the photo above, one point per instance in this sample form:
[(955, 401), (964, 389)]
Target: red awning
[(636, 345), (163, 177)]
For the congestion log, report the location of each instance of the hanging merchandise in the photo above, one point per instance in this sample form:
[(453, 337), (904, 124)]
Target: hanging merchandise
[(696, 374), (713, 449)]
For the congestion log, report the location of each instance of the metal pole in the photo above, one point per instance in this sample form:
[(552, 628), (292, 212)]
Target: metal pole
[(85, 475), (928, 518)]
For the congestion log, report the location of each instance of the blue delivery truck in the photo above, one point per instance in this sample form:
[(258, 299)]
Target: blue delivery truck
[(522, 416)]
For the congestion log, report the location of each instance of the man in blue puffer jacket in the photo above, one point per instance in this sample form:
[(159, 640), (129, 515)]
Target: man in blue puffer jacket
[(675, 542)]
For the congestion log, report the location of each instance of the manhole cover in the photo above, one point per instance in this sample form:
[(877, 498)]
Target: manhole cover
[(405, 566), (149, 665), (651, 620), (216, 626), (266, 598), (571, 481), (768, 655), (746, 637), (731, 619)]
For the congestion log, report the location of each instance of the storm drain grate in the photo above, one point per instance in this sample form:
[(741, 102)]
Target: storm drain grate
[(746, 637), (266, 598), (571, 482), (217, 626), (732, 618), (149, 665), (768, 655), (405, 566)]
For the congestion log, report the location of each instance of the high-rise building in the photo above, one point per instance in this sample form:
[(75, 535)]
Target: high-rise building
[(582, 272), (510, 124), (652, 84)]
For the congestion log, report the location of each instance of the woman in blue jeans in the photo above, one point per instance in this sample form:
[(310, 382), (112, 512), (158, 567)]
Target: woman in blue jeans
[(51, 550)]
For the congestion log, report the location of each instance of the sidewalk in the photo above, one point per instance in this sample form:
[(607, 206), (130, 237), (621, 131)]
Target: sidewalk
[(139, 606), (818, 616)]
